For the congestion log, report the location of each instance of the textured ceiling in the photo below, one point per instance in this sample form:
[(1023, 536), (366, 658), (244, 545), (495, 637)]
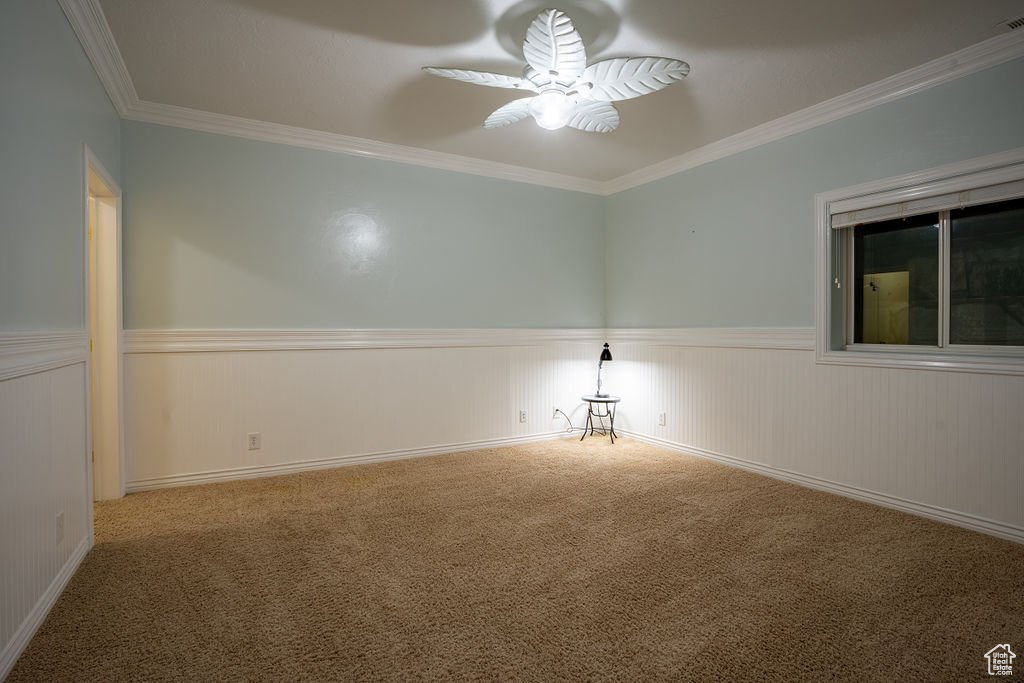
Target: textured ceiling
[(354, 67)]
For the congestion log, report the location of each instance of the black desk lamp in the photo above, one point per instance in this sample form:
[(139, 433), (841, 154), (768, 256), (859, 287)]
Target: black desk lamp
[(605, 355)]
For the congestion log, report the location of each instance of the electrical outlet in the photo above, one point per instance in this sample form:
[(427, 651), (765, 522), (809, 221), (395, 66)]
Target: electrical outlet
[(554, 413), (661, 419), (522, 416), (255, 440), (60, 526)]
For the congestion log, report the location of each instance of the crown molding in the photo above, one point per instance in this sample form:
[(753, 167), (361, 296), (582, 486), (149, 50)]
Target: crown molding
[(194, 119), (184, 341), (90, 25), (988, 53)]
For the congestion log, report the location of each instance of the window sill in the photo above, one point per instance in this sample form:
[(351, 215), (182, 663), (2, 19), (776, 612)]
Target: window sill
[(916, 360)]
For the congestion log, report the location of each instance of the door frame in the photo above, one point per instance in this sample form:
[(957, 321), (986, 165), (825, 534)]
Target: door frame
[(98, 182)]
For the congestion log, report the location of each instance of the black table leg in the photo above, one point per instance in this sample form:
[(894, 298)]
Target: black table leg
[(589, 429), (611, 416)]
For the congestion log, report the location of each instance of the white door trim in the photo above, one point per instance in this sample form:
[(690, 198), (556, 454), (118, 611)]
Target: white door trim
[(100, 183)]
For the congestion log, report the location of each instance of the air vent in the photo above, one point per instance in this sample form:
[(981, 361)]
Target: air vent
[(1014, 23)]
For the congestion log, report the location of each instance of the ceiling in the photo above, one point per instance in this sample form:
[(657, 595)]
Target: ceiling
[(353, 68)]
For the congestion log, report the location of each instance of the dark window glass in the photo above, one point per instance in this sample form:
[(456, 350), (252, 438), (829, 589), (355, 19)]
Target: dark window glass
[(896, 281), (986, 276)]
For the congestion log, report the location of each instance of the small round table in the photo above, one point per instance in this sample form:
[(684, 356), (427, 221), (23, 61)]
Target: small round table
[(608, 402)]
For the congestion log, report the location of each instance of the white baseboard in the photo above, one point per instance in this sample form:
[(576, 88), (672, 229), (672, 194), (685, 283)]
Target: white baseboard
[(238, 473), (961, 519), (37, 616)]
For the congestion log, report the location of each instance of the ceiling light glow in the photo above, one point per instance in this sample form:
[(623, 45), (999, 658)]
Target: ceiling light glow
[(552, 109)]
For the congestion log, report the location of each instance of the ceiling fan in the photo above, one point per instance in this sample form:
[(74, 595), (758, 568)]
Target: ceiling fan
[(570, 93)]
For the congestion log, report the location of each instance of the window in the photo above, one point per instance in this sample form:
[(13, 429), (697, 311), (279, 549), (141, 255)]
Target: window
[(986, 275), (926, 270), (895, 286)]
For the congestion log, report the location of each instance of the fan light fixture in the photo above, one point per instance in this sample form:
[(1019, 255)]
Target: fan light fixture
[(570, 93)]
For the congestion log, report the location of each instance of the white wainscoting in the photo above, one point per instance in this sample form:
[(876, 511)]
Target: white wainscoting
[(947, 445), (327, 398), (44, 469)]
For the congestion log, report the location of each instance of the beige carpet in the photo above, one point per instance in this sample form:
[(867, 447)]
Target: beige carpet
[(554, 561)]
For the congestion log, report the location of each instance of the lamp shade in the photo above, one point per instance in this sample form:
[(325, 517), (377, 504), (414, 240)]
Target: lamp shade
[(606, 354)]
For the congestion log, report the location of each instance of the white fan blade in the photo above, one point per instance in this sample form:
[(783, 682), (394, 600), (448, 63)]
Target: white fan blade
[(595, 117), (516, 110), (622, 78), (480, 77), (554, 48)]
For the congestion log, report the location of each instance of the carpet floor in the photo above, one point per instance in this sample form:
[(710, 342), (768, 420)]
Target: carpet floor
[(560, 560)]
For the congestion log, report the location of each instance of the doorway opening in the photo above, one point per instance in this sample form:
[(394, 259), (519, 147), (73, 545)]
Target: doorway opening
[(103, 318)]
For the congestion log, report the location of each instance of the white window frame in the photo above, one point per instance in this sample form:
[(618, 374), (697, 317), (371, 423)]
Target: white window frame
[(957, 177)]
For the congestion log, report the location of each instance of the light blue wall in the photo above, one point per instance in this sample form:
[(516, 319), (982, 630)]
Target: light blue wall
[(51, 103), (224, 232), (221, 232), (731, 243)]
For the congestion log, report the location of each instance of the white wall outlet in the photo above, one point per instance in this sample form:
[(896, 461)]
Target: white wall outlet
[(522, 416), (255, 441), (60, 526), (661, 419), (554, 413)]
